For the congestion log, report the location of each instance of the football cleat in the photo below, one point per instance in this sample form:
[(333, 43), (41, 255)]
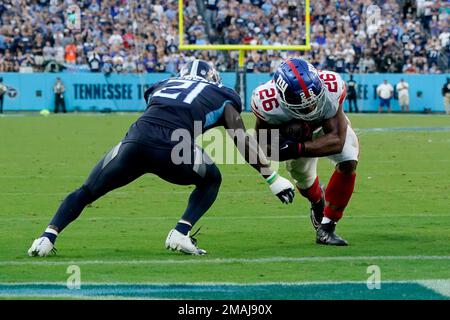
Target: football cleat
[(325, 235), (41, 247), (317, 210), (176, 241)]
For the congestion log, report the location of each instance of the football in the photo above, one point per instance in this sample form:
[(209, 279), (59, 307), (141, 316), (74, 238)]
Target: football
[(296, 130)]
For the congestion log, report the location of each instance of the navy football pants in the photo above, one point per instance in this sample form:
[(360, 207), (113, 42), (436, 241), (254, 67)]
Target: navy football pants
[(128, 161)]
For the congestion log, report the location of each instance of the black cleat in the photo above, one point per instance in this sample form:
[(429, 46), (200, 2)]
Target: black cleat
[(317, 208), (325, 235)]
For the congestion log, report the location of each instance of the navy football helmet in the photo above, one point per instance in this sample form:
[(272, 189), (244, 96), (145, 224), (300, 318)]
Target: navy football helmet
[(300, 88), (200, 68)]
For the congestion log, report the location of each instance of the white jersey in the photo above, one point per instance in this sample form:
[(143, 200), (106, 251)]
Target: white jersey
[(266, 101), (385, 91), (402, 88)]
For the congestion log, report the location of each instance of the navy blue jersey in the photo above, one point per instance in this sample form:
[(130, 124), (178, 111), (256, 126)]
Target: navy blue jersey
[(179, 102)]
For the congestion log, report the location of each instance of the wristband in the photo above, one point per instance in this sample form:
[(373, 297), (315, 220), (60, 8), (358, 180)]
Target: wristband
[(272, 177), (301, 148), (52, 231), (291, 150)]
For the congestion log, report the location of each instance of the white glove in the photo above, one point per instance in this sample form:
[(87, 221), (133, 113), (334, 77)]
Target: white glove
[(41, 247), (281, 187)]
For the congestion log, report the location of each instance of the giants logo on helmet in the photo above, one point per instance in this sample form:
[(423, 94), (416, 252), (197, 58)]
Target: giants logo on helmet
[(281, 84), (312, 96)]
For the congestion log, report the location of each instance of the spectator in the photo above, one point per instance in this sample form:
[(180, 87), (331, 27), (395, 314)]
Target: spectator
[(3, 90), (59, 52), (446, 94), (71, 53), (107, 67), (385, 92), (59, 91), (410, 36), (212, 12), (49, 52), (403, 95), (351, 94), (129, 66), (94, 61), (115, 40), (38, 51), (26, 63)]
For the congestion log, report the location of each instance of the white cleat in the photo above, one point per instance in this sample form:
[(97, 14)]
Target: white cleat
[(41, 247), (176, 241)]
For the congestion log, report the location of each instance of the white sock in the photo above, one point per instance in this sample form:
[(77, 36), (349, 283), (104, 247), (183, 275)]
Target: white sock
[(52, 231), (325, 220), (185, 222)]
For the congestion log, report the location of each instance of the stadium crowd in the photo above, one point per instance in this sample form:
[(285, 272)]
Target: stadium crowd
[(131, 36)]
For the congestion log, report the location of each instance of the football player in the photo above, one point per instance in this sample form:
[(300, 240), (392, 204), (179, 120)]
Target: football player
[(299, 92), (175, 106)]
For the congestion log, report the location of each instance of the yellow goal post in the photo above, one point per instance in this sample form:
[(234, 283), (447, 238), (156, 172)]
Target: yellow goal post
[(243, 47), (241, 86)]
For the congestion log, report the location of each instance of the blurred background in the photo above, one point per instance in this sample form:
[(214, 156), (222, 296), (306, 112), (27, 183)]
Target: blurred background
[(106, 52)]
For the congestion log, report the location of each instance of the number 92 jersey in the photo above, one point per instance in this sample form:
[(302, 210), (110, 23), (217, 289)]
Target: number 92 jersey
[(266, 103)]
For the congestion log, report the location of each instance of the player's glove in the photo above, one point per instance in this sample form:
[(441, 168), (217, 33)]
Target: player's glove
[(281, 187), (291, 150)]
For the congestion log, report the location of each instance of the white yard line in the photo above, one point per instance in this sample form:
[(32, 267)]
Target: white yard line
[(215, 283), (124, 193), (225, 174), (439, 286), (202, 260), (301, 215)]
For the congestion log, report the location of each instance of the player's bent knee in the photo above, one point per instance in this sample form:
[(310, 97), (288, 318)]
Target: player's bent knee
[(213, 177), (347, 167), (86, 194), (216, 176)]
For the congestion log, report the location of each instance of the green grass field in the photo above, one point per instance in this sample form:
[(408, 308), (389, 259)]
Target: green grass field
[(398, 219)]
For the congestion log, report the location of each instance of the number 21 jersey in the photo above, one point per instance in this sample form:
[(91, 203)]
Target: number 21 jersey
[(179, 102)]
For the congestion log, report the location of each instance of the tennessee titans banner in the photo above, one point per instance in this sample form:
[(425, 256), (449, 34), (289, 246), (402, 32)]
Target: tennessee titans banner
[(124, 92), (83, 91)]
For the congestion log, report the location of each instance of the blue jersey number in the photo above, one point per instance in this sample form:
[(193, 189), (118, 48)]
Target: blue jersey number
[(175, 87)]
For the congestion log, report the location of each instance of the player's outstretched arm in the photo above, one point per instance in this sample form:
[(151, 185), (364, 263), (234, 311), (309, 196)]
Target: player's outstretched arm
[(332, 142), (252, 153), (262, 125)]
